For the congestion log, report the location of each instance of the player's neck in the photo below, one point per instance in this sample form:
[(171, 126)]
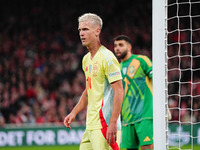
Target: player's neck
[(127, 56), (93, 49)]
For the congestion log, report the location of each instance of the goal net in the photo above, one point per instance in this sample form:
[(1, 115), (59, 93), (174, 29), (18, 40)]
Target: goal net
[(176, 60), (183, 72)]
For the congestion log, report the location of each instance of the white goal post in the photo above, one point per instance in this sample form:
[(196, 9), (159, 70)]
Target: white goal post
[(176, 73), (159, 12)]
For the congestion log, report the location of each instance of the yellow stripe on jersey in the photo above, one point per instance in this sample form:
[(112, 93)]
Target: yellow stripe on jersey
[(146, 60)]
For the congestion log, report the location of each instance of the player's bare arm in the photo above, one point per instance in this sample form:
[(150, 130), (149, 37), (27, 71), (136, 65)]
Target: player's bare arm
[(81, 105), (117, 103)]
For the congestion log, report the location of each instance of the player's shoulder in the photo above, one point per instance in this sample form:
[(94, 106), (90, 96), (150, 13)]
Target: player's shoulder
[(144, 58), (86, 56), (106, 56), (105, 53)]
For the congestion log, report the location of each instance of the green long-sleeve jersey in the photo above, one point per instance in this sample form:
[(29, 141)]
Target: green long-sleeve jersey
[(137, 83)]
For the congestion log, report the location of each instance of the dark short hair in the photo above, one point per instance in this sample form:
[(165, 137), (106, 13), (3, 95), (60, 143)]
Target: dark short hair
[(123, 37)]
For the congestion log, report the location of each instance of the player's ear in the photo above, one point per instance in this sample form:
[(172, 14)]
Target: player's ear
[(98, 30), (129, 47)]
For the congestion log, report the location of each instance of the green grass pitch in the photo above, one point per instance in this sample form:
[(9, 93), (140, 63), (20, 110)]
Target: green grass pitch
[(73, 147)]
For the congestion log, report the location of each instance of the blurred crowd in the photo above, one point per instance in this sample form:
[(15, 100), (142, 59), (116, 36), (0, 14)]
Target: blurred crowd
[(41, 77)]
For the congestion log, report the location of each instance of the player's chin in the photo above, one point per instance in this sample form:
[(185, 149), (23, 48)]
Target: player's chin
[(84, 44), (118, 56)]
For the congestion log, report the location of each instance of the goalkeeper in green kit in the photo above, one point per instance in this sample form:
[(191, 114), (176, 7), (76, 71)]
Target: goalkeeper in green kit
[(137, 107)]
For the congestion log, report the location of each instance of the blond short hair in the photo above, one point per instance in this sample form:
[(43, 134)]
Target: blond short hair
[(95, 19)]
